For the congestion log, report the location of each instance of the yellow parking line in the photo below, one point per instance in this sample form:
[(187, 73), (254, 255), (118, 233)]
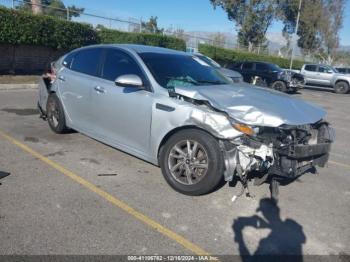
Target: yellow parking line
[(125, 207), (339, 164)]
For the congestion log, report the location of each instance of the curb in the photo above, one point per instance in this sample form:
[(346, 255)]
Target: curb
[(17, 86)]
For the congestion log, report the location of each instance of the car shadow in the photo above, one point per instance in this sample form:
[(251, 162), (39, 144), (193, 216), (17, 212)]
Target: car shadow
[(3, 175), (319, 89), (284, 242)]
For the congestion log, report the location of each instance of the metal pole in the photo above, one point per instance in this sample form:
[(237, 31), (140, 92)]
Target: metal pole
[(295, 36), (13, 4), (67, 14), (140, 25)]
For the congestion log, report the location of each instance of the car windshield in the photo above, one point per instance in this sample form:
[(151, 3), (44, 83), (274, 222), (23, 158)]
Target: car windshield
[(334, 69), (274, 67), (172, 70), (209, 61)]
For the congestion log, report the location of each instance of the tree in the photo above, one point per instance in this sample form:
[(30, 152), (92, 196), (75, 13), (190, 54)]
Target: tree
[(320, 22), (152, 26), (36, 7), (219, 39), (54, 8), (333, 11), (308, 32), (252, 17)]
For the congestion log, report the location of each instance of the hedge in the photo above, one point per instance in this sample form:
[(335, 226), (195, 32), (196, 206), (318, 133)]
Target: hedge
[(24, 28), (228, 56), (17, 27), (113, 36)]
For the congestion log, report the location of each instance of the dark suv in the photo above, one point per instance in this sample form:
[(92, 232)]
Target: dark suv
[(269, 75), (343, 70)]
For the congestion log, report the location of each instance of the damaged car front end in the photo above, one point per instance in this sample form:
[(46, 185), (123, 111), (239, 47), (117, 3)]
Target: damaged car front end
[(176, 111), (273, 139)]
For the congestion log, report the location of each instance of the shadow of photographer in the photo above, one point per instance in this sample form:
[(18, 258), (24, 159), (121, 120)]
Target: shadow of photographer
[(286, 237)]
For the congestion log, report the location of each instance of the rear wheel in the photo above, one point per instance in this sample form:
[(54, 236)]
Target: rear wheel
[(55, 114), (279, 86), (192, 163), (341, 87)]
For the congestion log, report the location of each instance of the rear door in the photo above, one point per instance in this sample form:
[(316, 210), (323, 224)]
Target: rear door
[(262, 70), (122, 115), (76, 80), (311, 75)]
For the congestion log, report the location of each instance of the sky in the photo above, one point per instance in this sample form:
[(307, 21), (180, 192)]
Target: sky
[(190, 15)]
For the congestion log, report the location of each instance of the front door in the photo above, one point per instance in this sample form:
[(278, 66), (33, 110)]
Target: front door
[(325, 75), (122, 115)]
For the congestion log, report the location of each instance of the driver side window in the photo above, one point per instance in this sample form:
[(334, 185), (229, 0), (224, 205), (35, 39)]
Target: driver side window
[(117, 63), (323, 69)]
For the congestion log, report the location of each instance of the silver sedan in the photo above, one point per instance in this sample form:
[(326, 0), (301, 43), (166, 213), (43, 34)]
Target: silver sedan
[(176, 111)]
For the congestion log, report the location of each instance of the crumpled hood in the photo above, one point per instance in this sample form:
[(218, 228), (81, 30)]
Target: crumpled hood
[(256, 106)]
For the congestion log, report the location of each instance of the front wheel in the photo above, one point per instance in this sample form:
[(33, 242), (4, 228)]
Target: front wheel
[(192, 163), (279, 86), (341, 87)]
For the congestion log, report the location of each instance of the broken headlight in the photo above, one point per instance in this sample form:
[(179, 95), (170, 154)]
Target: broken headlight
[(245, 129)]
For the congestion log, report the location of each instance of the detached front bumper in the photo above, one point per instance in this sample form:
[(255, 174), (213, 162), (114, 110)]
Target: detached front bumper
[(270, 155), (299, 159)]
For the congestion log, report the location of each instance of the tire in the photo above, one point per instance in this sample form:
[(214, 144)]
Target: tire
[(279, 86), (55, 115), (208, 154), (341, 87)]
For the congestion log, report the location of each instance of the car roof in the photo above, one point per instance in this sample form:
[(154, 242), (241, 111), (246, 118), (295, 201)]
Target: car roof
[(256, 62), (141, 48), (317, 64)]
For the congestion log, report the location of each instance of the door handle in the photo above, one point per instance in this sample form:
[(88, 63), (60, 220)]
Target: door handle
[(99, 89), (62, 78)]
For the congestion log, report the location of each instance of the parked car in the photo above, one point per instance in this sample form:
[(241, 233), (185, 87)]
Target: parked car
[(234, 75), (269, 75), (168, 108), (325, 76), (343, 70)]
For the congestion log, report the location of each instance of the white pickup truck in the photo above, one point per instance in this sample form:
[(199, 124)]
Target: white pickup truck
[(325, 76)]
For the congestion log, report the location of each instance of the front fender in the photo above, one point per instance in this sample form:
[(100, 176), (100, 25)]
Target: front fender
[(180, 114)]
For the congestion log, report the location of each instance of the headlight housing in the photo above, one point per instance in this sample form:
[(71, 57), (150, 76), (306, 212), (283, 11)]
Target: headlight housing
[(245, 129)]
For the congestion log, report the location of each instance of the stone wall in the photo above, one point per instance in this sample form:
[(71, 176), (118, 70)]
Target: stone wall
[(26, 59)]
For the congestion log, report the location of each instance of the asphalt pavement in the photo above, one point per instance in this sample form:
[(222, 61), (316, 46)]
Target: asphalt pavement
[(70, 194)]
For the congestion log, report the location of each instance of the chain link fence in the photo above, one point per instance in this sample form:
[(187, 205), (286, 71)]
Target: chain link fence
[(131, 24)]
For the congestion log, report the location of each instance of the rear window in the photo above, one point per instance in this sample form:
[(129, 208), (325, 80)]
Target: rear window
[(261, 67), (311, 68), (86, 61), (248, 66)]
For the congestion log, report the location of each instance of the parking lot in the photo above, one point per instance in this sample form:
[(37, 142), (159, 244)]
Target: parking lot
[(69, 194)]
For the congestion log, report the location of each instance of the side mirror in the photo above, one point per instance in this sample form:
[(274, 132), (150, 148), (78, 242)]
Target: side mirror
[(329, 71), (129, 81)]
